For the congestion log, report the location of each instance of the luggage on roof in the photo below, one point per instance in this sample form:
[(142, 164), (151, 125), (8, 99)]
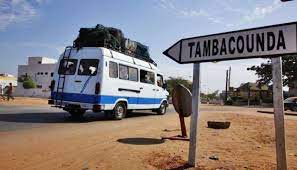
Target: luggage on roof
[(112, 38), (99, 36)]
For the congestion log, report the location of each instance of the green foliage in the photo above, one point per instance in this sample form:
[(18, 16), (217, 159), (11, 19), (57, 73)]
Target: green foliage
[(21, 78), (172, 82), (210, 96), (229, 102), (28, 83), (264, 71)]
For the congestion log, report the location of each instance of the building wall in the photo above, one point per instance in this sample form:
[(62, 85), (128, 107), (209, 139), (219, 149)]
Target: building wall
[(41, 70), (37, 92), (41, 60)]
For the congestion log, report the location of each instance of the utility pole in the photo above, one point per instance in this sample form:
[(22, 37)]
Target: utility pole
[(229, 80), (249, 93), (226, 89)]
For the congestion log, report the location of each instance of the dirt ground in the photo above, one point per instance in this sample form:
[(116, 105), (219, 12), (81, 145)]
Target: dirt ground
[(135, 143), (25, 101)]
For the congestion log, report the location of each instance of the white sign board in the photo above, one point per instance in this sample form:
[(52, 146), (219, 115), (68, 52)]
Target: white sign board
[(260, 42)]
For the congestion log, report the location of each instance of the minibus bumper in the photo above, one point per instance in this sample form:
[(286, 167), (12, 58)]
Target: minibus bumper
[(69, 104)]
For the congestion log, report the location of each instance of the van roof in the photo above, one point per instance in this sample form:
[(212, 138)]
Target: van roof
[(122, 57)]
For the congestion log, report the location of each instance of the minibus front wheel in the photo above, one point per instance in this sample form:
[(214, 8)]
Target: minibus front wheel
[(162, 109)]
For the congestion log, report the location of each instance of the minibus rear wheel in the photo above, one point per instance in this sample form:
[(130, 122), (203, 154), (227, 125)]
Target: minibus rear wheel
[(77, 113), (119, 111)]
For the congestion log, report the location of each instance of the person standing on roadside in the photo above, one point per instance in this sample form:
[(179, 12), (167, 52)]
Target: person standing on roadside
[(1, 93), (9, 92)]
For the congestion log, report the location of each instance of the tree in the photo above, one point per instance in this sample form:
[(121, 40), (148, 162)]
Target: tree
[(210, 96), (264, 71), (172, 82), (213, 95), (28, 83)]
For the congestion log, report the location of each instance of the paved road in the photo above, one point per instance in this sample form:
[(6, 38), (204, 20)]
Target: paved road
[(23, 117), (14, 118)]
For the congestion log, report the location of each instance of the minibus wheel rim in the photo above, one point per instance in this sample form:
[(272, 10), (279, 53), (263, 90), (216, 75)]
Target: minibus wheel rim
[(162, 108), (120, 111)]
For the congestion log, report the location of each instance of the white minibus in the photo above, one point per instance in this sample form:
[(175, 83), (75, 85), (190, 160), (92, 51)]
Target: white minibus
[(101, 79)]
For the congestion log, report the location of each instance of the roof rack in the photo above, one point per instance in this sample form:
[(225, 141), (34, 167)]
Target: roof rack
[(130, 53)]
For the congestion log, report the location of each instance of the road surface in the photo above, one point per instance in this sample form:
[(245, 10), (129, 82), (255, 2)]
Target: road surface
[(14, 118), (42, 137)]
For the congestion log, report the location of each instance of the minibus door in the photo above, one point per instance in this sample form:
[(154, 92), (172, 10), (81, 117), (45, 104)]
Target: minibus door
[(159, 91), (69, 70), (147, 90)]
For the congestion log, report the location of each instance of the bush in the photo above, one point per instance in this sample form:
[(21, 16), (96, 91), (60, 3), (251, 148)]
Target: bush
[(229, 102), (21, 78), (172, 82), (28, 83)]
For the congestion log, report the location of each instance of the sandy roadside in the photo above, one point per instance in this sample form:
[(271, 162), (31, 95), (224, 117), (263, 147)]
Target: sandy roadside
[(135, 143), (25, 101)]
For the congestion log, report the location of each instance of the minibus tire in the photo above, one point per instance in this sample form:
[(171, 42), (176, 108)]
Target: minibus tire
[(162, 109), (119, 111), (77, 113)]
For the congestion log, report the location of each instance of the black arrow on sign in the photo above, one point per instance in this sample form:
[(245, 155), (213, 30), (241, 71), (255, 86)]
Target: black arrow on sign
[(174, 52)]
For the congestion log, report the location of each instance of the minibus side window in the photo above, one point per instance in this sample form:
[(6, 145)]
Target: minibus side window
[(88, 67), (128, 73), (159, 80), (113, 69), (68, 69), (133, 74), (147, 77), (124, 72)]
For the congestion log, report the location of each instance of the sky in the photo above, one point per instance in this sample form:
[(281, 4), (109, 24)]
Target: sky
[(45, 27)]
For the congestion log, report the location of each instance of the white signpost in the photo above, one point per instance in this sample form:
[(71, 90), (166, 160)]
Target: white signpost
[(263, 42)]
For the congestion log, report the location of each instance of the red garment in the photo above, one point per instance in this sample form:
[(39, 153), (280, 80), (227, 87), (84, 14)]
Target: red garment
[(9, 90)]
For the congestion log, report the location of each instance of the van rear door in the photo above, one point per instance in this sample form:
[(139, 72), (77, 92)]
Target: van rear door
[(68, 68), (84, 82), (81, 76)]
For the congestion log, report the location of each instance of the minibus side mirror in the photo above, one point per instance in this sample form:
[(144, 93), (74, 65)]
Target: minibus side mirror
[(164, 86)]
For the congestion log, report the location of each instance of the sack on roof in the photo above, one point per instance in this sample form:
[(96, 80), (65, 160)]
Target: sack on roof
[(99, 36), (111, 38)]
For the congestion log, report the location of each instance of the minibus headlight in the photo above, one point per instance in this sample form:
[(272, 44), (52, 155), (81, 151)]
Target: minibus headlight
[(97, 88)]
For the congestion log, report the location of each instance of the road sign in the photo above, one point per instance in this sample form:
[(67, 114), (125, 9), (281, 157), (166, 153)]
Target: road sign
[(182, 100), (259, 42), (270, 41)]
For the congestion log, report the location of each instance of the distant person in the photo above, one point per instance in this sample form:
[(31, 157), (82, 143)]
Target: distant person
[(9, 92), (1, 92)]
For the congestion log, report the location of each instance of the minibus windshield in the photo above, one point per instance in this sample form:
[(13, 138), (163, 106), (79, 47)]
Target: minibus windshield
[(88, 67), (67, 68)]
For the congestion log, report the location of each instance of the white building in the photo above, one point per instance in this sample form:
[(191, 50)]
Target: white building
[(5, 79), (41, 70)]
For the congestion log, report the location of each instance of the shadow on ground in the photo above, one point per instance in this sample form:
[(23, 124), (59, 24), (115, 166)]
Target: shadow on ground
[(271, 112), (61, 117), (141, 141)]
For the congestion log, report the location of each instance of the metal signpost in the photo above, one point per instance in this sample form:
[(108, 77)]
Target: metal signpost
[(263, 42)]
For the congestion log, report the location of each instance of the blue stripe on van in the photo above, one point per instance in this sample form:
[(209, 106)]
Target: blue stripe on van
[(104, 99)]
